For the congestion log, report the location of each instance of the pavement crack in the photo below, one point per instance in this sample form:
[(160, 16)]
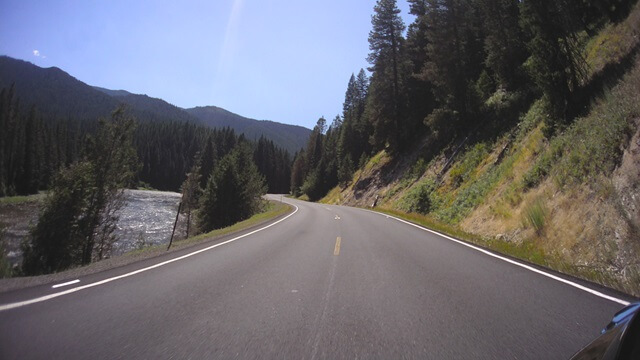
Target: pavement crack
[(319, 324)]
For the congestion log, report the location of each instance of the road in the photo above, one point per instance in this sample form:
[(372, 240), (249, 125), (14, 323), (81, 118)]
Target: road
[(384, 290)]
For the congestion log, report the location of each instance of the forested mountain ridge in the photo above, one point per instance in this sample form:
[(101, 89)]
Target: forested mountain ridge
[(47, 118), (290, 137), (54, 92), (57, 94), (150, 108)]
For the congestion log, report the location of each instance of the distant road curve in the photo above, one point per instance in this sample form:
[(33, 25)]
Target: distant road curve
[(325, 282)]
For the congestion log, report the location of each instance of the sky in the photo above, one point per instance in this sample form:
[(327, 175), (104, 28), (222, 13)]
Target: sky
[(281, 60)]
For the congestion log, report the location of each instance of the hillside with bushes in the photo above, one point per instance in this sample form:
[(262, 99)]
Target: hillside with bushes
[(514, 125)]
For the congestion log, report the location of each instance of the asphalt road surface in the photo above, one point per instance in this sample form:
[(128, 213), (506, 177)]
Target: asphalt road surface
[(326, 282)]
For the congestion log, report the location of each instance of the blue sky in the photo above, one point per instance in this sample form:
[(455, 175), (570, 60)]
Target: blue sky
[(287, 61)]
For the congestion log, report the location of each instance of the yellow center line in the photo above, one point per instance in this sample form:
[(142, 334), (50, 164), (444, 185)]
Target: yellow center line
[(336, 250)]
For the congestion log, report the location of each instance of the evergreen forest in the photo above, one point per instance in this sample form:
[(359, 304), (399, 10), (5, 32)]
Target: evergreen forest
[(33, 148), (462, 68)]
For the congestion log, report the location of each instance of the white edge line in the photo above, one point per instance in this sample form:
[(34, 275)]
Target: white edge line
[(530, 268), (67, 283), (69, 291)]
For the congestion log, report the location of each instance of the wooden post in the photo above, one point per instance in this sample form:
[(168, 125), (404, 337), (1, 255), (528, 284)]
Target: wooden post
[(174, 226), (188, 220)]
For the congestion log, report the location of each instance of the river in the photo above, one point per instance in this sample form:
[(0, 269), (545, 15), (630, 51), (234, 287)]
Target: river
[(146, 220)]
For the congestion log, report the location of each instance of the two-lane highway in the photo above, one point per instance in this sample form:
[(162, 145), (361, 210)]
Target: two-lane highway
[(327, 282)]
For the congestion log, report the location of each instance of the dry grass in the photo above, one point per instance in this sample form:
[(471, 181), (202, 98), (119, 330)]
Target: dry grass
[(334, 197)]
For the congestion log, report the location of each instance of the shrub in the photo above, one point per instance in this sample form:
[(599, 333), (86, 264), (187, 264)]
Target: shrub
[(5, 267), (535, 215), (418, 199)]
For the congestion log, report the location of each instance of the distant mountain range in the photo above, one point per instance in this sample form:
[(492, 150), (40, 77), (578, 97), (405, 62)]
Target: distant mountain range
[(55, 93)]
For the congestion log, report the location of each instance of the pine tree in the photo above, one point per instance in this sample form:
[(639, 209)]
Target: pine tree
[(455, 55), (504, 41), (115, 162), (355, 130), (556, 62), (59, 237), (419, 89), (386, 103), (207, 161), (314, 145), (80, 213), (191, 192), (234, 190), (298, 173)]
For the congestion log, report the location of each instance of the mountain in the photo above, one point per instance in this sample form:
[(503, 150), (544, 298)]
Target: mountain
[(113, 93), (149, 108), (54, 92), (57, 94), (295, 137)]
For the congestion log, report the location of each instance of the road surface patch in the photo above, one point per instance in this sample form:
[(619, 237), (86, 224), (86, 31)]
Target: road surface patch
[(336, 250)]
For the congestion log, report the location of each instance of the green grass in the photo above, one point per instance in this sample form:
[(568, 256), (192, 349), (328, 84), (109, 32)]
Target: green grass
[(408, 178), (334, 196), (474, 177), (375, 160), (21, 199), (463, 169)]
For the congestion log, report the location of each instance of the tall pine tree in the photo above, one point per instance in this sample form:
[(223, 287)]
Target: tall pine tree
[(556, 62), (386, 103)]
